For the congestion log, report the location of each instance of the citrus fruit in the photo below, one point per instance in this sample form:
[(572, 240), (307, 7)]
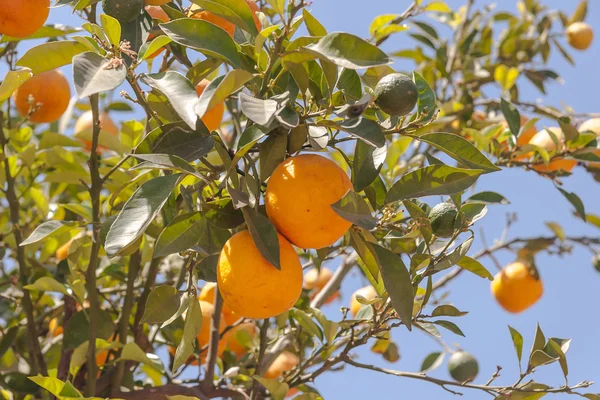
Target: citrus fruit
[(463, 367), (544, 140), (251, 287), (50, 89), (197, 13), (368, 292), (19, 18), (396, 94), (156, 2), (123, 10), (442, 217), (316, 279), (285, 362), (63, 251), (86, 122), (516, 288), (238, 338), (299, 196), (208, 294), (580, 35), (54, 327), (213, 117), (524, 137)]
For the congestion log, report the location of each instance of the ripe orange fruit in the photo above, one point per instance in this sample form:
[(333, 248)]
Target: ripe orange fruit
[(316, 280), (156, 12), (286, 361), (63, 251), (544, 140), (299, 196), (526, 136), (22, 18), (232, 338), (86, 121), (580, 35), (213, 117), (250, 285), (368, 292), (222, 22), (207, 294), (516, 288), (54, 327), (51, 89), (155, 2)]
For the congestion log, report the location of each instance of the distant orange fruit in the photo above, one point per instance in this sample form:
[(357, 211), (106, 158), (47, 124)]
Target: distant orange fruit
[(22, 18), (285, 362), (222, 22), (86, 121), (516, 288), (580, 35), (63, 251), (316, 279), (54, 327), (544, 140), (299, 196), (156, 12), (232, 338), (51, 89), (208, 294), (213, 117), (368, 292)]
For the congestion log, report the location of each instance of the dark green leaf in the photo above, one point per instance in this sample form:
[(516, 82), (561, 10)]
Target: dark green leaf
[(575, 201), (368, 161), (455, 256), (517, 340), (366, 130), (77, 330), (272, 152), (352, 207), (264, 235), (191, 329), (426, 102), (451, 326), (447, 310), (349, 51), (235, 11), (489, 197), (181, 234), (432, 361), (162, 304), (512, 116), (169, 161), (179, 91), (7, 339)]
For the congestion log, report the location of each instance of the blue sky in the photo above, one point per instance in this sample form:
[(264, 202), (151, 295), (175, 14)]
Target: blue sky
[(568, 307)]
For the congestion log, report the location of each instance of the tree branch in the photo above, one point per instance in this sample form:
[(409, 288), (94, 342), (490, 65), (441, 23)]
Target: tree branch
[(215, 336)]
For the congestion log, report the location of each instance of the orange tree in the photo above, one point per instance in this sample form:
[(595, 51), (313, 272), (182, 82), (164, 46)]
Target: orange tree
[(318, 152)]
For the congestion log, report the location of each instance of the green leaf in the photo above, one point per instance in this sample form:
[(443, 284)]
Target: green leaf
[(191, 329), (580, 13), (112, 29), (260, 111), (156, 44), (272, 152), (554, 350), (556, 229), (162, 304), (512, 116), (169, 161), (447, 310), (47, 229), (278, 5), (184, 304), (460, 149), (52, 385), (77, 330), (506, 77), (277, 389), (352, 207), (368, 161), (489, 198), (7, 340), (189, 145), (432, 180), (428, 328), (313, 26), (438, 6), (432, 361), (235, 11), (349, 51), (455, 256), (368, 262), (575, 201), (12, 81), (517, 340), (137, 31), (366, 130), (397, 282), (138, 213), (179, 91), (538, 341), (46, 31), (539, 357), (380, 21), (474, 266), (131, 351), (91, 74), (205, 37), (181, 234), (221, 88), (472, 212), (202, 70), (306, 322), (451, 326), (426, 100), (48, 56), (47, 284), (264, 235)]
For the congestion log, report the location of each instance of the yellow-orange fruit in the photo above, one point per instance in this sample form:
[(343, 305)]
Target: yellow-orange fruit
[(252, 287), (54, 327), (63, 251), (299, 196), (86, 121), (316, 279), (544, 140), (208, 294), (49, 88), (213, 117), (368, 292), (516, 288), (285, 362), (232, 338), (580, 35), (22, 18), (222, 22)]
